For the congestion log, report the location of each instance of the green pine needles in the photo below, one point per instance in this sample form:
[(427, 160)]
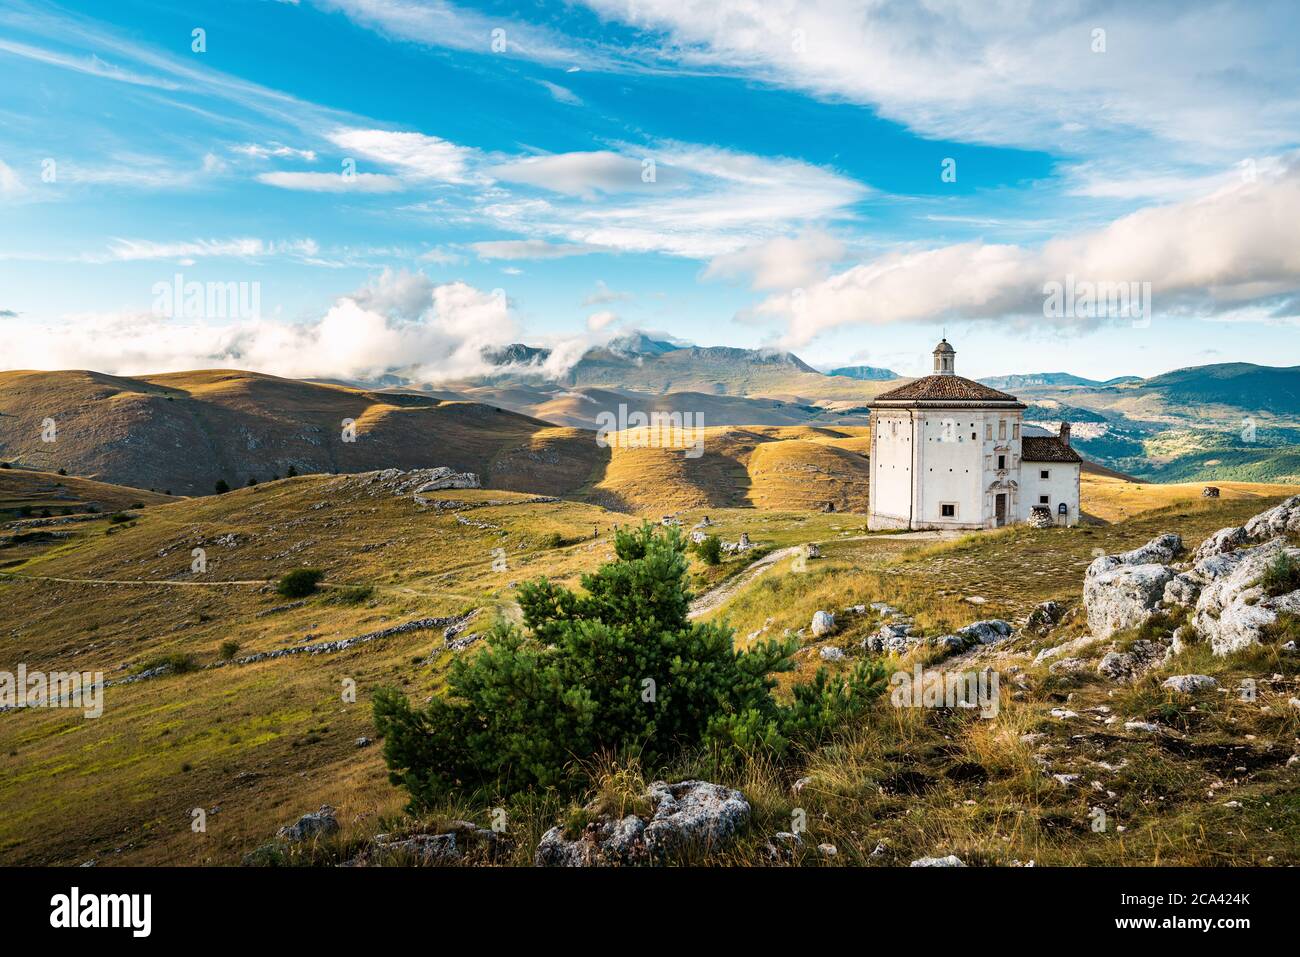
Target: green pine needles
[(619, 669)]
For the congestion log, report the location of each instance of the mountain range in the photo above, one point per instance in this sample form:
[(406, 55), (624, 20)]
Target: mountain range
[(526, 430)]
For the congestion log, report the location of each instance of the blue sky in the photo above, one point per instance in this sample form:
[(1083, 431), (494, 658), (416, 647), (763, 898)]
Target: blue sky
[(409, 181)]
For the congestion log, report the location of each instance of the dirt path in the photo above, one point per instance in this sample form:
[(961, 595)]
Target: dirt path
[(113, 581), (715, 598)]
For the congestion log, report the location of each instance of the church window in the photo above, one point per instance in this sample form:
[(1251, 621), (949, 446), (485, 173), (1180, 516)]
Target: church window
[(1002, 428), (988, 431), (1015, 430), (948, 510), (1002, 462), (1043, 500), (1044, 474), (972, 436)]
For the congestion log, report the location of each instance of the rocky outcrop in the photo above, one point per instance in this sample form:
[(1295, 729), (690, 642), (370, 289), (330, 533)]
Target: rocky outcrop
[(1045, 616), (1122, 591), (823, 623), (1189, 684), (1232, 609), (310, 825), (1278, 521), (687, 816), (952, 860), (1128, 665), (1222, 591), (461, 842)]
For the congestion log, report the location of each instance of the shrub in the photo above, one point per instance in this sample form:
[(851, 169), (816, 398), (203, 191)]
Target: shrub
[(292, 472), (63, 471), (252, 480), (553, 540), (300, 582), (229, 649), (1282, 576), (137, 504), (538, 701), (222, 487), (353, 594), (117, 518), (179, 662), (709, 550), (5, 465)]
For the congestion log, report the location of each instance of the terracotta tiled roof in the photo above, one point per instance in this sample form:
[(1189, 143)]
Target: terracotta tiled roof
[(1046, 448), (940, 388)]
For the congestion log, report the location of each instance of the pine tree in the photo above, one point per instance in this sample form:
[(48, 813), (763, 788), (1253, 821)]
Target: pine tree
[(618, 669)]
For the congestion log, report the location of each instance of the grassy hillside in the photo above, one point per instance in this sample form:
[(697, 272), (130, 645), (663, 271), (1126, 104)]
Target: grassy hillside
[(256, 744), (769, 467), (182, 432), (28, 493)]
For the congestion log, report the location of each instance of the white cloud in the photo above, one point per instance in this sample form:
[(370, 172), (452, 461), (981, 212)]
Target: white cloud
[(529, 249), (279, 150), (562, 94), (599, 320), (91, 65), (576, 174), (1224, 251), (781, 263), (362, 336), (417, 155), (703, 202), (10, 183), (332, 182), (603, 294), (129, 250), (436, 23)]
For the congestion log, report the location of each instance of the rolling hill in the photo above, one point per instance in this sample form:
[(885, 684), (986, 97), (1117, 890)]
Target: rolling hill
[(182, 432)]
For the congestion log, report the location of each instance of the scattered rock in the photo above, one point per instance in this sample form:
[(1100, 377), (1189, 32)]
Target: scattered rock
[(1149, 727), (823, 623), (1044, 616), (1141, 657), (1210, 491), (1188, 684), (952, 860), (831, 653), (311, 825), (364, 742), (688, 814)]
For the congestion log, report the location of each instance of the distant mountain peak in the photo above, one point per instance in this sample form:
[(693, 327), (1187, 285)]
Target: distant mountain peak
[(866, 373), (516, 354), (637, 343)]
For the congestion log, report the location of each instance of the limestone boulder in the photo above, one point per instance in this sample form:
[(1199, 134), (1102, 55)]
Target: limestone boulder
[(1233, 610), (688, 816)]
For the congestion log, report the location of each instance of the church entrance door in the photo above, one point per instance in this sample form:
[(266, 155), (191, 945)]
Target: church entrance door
[(1000, 509)]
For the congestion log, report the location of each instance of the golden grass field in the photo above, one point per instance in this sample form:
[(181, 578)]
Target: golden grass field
[(256, 745)]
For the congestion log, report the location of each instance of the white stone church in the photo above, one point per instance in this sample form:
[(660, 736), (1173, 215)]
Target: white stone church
[(948, 452)]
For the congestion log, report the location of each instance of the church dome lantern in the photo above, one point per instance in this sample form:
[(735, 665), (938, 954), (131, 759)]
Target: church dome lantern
[(944, 356)]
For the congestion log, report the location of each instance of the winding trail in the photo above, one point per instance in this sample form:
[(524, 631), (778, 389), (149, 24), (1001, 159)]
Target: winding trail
[(715, 598)]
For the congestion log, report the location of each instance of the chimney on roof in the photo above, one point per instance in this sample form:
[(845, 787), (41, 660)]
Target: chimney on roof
[(1065, 434)]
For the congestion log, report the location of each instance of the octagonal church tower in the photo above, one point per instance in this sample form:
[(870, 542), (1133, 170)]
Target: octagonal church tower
[(946, 452)]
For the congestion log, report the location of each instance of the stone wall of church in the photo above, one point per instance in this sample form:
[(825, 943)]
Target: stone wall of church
[(890, 493)]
